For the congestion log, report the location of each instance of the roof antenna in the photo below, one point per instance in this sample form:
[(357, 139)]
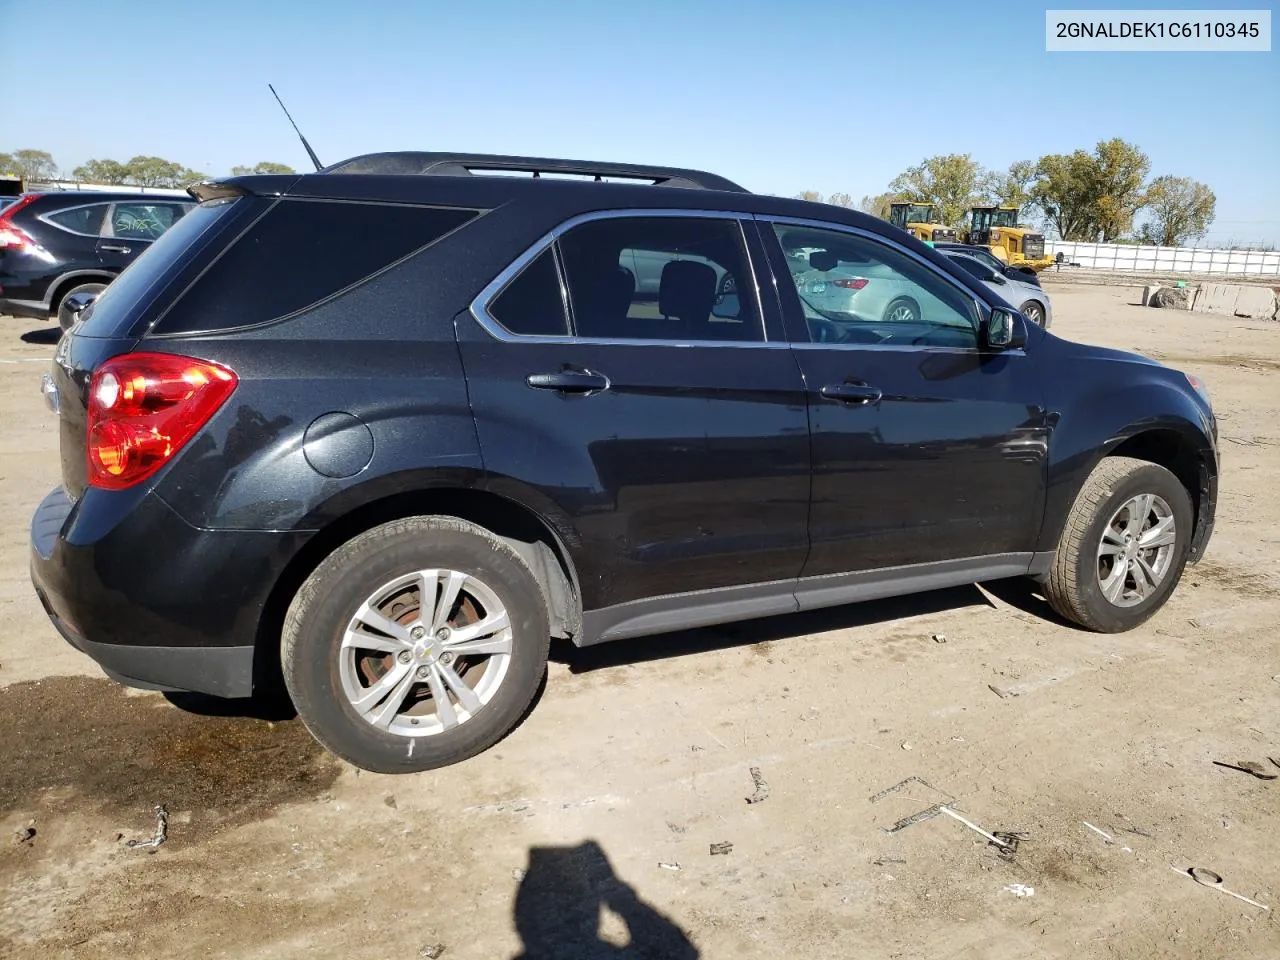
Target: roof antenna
[(311, 153)]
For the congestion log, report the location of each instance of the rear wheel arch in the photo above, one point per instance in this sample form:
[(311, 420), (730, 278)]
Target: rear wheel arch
[(537, 544), (66, 284)]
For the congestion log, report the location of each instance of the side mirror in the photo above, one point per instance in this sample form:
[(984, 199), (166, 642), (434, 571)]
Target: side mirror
[(1004, 329), (996, 278)]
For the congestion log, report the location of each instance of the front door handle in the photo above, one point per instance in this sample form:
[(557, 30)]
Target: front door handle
[(569, 381), (852, 392), (117, 248)]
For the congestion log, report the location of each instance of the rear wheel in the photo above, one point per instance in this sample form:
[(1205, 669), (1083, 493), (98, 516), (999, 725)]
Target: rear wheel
[(1124, 546), (902, 310), (67, 311), (415, 645), (1033, 312)]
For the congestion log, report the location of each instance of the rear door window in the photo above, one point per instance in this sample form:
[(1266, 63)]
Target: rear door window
[(144, 221), (660, 278), (302, 252)]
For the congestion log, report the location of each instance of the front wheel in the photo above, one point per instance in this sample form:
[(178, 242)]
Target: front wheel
[(1124, 546), (415, 645)]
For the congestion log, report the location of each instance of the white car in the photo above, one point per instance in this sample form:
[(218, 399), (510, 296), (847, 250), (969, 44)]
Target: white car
[(1029, 298)]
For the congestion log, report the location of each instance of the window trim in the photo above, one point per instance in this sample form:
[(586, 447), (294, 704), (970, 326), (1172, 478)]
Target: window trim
[(46, 217), (480, 304), (980, 304)]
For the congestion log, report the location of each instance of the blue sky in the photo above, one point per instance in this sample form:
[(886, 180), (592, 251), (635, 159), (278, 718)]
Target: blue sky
[(833, 96)]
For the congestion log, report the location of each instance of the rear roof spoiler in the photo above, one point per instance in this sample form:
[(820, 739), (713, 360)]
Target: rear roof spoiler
[(416, 163), (212, 190)]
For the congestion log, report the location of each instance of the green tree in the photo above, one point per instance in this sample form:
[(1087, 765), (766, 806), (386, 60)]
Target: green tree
[(155, 172), (101, 171), (1121, 171), (265, 167), (1062, 191), (1012, 188), (1092, 196), (29, 165), (951, 182), (878, 205), (1179, 209)]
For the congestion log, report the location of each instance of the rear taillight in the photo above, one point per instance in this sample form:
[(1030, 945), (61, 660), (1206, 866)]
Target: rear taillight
[(857, 283), (11, 236), (143, 407)]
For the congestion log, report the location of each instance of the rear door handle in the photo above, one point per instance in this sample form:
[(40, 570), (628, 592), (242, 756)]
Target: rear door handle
[(852, 392), (117, 248), (569, 381)]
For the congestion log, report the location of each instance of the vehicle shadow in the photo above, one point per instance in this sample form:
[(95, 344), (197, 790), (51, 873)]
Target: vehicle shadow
[(273, 706), (705, 639), (560, 902), (45, 336), (1028, 596)]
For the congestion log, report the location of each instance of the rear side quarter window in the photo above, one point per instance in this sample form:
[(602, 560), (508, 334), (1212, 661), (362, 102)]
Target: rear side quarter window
[(301, 252), (86, 220), (533, 304)]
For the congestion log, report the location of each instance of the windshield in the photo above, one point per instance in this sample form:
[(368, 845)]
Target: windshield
[(920, 213), (114, 312), (1005, 218)]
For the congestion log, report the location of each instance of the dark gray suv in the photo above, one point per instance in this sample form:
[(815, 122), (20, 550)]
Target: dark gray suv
[(385, 430)]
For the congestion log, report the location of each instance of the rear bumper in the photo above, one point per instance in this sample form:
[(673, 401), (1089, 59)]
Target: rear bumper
[(156, 602), (32, 309), (220, 671)]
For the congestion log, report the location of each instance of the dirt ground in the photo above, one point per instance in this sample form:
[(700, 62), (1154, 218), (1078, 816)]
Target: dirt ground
[(589, 828)]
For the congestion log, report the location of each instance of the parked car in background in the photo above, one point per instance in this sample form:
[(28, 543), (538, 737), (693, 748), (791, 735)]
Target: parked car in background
[(1029, 298), (984, 255), (389, 428), (56, 244)]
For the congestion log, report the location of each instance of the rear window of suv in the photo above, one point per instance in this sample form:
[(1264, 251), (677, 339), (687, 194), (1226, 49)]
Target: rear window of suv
[(302, 252)]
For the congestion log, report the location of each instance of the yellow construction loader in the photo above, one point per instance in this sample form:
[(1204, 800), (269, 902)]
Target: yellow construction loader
[(997, 229), (921, 221)]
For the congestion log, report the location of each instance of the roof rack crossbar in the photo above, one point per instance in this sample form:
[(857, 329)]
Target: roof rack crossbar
[(468, 164)]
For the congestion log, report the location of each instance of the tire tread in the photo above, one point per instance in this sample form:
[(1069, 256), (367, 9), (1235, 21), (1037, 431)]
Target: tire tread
[(1062, 586)]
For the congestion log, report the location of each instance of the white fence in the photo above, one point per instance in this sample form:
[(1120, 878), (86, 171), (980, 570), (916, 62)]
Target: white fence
[(1119, 256)]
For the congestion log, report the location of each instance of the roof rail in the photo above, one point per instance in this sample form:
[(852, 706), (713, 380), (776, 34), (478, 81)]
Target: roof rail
[(469, 164)]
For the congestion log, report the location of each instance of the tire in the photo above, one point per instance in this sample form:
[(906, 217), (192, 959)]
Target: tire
[(323, 676), (905, 304), (1034, 312), (65, 316), (1079, 579)]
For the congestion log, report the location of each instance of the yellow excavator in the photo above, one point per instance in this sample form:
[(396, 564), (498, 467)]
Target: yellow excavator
[(996, 227), (920, 220)]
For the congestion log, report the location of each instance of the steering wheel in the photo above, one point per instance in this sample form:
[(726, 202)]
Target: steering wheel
[(728, 287)]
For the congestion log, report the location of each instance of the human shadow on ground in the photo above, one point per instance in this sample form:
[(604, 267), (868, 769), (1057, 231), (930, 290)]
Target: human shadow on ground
[(559, 908)]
